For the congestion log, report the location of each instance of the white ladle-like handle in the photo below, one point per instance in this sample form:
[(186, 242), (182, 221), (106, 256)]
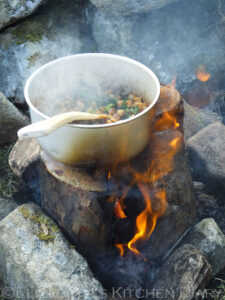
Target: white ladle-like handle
[(45, 127)]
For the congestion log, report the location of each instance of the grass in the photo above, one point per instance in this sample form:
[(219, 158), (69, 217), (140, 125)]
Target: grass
[(8, 181)]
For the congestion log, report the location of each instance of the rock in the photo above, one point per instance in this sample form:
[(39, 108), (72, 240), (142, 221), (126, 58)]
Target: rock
[(208, 206), (196, 119), (207, 237), (217, 102), (6, 206), (55, 30), (13, 11), (128, 7), (32, 251), (206, 151), (11, 119), (154, 39), (180, 277)]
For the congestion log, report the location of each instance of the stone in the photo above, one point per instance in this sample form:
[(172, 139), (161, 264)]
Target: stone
[(208, 206), (13, 11), (196, 119), (55, 30), (217, 102), (180, 277), (128, 7), (207, 237), (11, 119), (33, 250), (154, 39), (206, 151), (6, 206)]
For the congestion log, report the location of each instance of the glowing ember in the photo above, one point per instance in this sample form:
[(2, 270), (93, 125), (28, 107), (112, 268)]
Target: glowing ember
[(161, 165), (201, 74)]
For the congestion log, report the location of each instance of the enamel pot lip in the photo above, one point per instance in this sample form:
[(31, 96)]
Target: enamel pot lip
[(94, 55)]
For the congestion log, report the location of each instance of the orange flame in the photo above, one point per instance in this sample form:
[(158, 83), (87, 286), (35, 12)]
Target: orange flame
[(166, 121), (143, 228), (161, 165), (121, 249), (118, 211), (201, 74)]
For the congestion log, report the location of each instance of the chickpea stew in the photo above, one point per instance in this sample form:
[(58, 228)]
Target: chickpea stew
[(116, 106)]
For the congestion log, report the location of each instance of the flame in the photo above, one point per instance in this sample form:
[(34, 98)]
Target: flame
[(155, 199), (121, 249), (144, 227), (201, 74), (166, 121), (118, 211)]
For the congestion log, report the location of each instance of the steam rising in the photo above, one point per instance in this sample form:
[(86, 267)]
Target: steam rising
[(88, 76)]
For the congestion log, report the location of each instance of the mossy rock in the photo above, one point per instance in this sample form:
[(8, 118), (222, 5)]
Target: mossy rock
[(29, 30), (46, 227)]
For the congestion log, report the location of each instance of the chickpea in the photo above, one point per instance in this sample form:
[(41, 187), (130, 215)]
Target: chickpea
[(112, 120), (137, 99), (121, 112), (120, 103), (129, 103), (140, 105)]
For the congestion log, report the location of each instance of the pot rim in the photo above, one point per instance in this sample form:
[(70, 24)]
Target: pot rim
[(119, 57)]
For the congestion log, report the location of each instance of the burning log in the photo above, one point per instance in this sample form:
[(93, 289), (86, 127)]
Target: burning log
[(73, 198), (140, 207), (173, 214)]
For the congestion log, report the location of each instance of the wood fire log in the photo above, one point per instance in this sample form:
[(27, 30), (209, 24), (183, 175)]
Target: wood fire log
[(78, 199)]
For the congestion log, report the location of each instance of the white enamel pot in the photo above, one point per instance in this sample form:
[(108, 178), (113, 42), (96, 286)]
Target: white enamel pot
[(78, 144)]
